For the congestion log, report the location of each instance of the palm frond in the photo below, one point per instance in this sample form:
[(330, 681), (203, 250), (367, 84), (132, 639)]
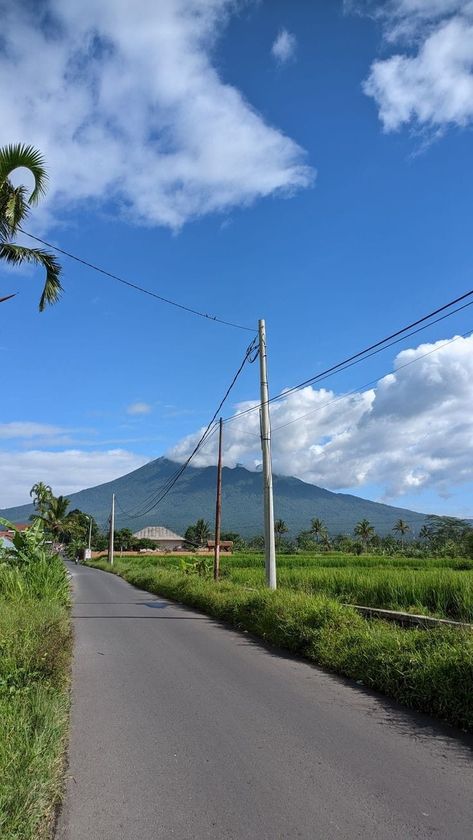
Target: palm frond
[(16, 209), (17, 254), (16, 155)]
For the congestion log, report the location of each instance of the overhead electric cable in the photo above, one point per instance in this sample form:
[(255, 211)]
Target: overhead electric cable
[(371, 382), (362, 355), (159, 495), (139, 509), (136, 286)]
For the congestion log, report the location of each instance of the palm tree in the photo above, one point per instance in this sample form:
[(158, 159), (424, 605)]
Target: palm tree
[(41, 493), (401, 528), (54, 517), (317, 528), (364, 530), (201, 531), (424, 533), (14, 208), (280, 528)]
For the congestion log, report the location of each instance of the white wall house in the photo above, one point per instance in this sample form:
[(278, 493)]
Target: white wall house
[(163, 537)]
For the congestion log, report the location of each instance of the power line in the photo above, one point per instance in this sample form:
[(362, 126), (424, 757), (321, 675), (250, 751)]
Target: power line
[(136, 286), (141, 508), (148, 505), (372, 350), (367, 384)]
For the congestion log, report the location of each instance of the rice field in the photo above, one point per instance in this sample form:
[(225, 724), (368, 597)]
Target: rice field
[(441, 587), (437, 586)]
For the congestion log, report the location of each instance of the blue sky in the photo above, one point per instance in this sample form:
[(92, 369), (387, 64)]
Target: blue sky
[(301, 162)]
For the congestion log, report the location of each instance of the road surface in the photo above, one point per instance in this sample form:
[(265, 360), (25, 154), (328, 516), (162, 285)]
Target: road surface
[(182, 728)]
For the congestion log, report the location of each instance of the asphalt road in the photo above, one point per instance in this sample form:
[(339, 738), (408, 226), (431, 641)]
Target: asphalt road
[(182, 728)]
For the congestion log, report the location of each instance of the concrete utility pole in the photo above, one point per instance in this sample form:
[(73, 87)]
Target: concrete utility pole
[(88, 550), (112, 531), (218, 509), (269, 540)]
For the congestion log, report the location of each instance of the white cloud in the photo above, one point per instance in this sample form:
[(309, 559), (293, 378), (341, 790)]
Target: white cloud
[(284, 47), (414, 430), (139, 408), (27, 430), (66, 471), (126, 105), (430, 83)]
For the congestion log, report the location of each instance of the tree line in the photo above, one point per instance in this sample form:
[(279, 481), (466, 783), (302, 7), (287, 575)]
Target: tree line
[(439, 535)]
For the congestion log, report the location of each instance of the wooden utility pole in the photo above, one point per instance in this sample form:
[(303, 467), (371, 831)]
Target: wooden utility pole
[(112, 532), (218, 508), (269, 539)]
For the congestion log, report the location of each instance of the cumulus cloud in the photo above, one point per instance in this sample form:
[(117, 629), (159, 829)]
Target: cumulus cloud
[(127, 106), (414, 430), (139, 408), (429, 83), (66, 471), (284, 47)]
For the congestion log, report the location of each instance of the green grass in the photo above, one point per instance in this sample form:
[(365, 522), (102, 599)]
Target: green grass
[(440, 587), (428, 670), (35, 642)]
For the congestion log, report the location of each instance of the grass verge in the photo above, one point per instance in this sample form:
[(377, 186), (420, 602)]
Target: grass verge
[(35, 646), (427, 670)]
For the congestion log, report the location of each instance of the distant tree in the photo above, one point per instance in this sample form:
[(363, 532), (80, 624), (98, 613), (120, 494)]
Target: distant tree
[(123, 539), (256, 543), (54, 518), (424, 533), (280, 528), (198, 534), (77, 524), (364, 530), (41, 494), (327, 545), (318, 529), (401, 528), (15, 205), (305, 541)]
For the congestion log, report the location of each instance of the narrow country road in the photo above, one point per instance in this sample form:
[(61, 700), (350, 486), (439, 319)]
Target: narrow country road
[(184, 729)]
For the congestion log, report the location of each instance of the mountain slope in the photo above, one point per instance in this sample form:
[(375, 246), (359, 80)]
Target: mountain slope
[(193, 497)]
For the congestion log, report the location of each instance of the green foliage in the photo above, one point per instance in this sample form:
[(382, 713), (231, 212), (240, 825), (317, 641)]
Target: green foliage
[(364, 530), (35, 643), (15, 205), (29, 546), (198, 534)]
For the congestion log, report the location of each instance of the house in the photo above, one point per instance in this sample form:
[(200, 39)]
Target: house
[(9, 533), (163, 537)]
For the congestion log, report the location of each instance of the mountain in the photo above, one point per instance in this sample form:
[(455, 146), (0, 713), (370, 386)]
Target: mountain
[(193, 497)]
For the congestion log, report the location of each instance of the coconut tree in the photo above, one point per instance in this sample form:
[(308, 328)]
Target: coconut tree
[(425, 533), (401, 528), (15, 205), (41, 493), (280, 528), (318, 529), (54, 517), (364, 530), (201, 531)]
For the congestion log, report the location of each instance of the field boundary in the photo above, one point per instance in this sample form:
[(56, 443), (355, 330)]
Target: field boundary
[(409, 619)]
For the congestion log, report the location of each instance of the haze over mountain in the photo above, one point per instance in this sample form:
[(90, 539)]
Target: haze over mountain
[(193, 497)]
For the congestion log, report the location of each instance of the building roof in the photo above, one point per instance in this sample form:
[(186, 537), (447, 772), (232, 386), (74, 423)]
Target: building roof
[(157, 532)]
